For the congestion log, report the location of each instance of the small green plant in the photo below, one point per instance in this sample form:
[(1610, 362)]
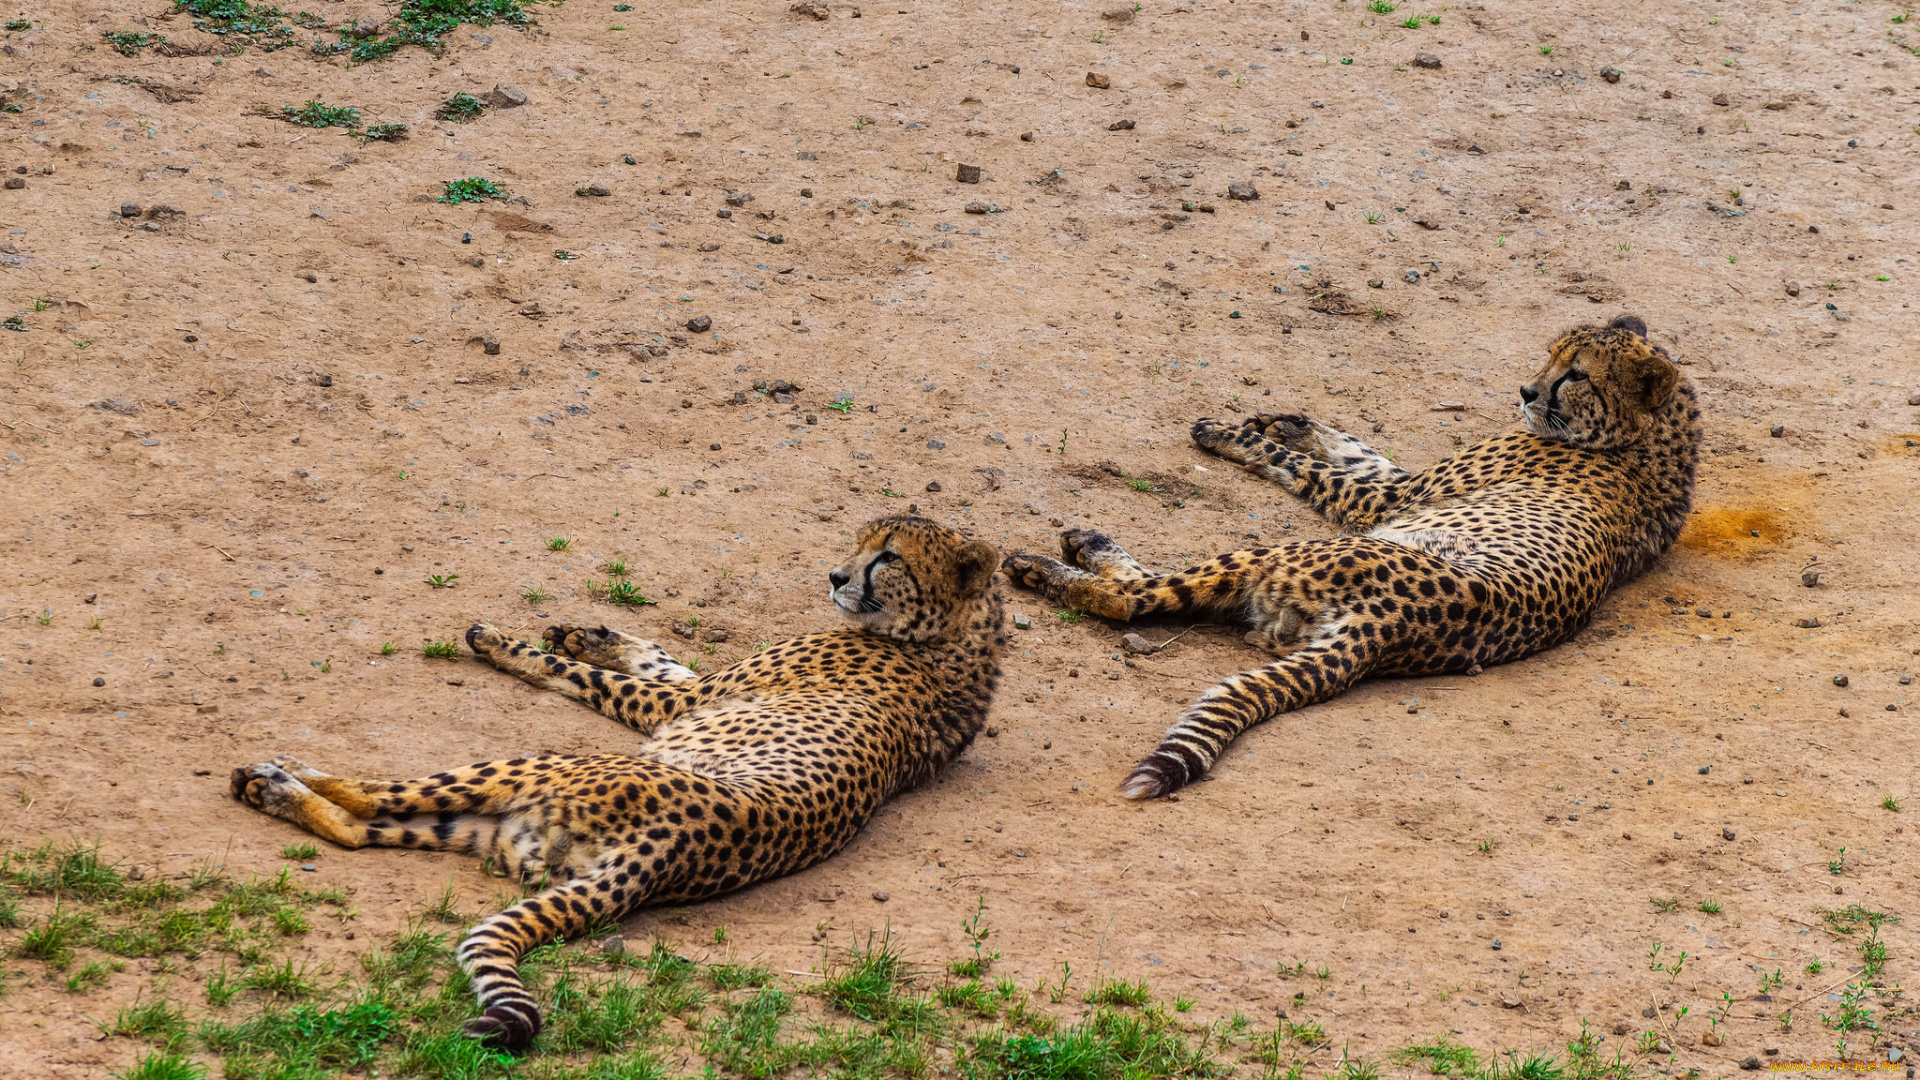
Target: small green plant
[(1484, 847), (1664, 904), (318, 114), (442, 581), (860, 122), (128, 43), (616, 567), (626, 593), (1891, 804), (1058, 991), (1373, 217), (843, 403), (1815, 967), (1119, 992), (164, 1065), (1142, 485), (440, 649), (388, 648), (25, 24), (1069, 617), (95, 625), (381, 133), (1546, 50), (558, 543), (532, 595), (45, 618), (1380, 7), (1838, 866), (976, 930), (1711, 907), (460, 108), (473, 189), (1771, 980)]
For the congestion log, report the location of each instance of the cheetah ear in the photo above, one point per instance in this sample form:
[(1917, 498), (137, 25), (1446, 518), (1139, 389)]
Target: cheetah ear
[(1654, 378), (1633, 324), (974, 567)]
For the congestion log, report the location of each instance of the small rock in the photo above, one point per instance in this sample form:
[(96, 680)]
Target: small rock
[(1895, 1054), (308, 867), (933, 486), (1839, 680), (1413, 277), (1914, 398), (1244, 191), (1021, 622), (700, 324), (1771, 1051), (1751, 1063), (1610, 73), (1710, 1038), (1906, 678), (1426, 223), (1026, 136), (1098, 81), (614, 944), (1793, 288), (596, 189), (15, 183), (1807, 624), (1649, 1013), (130, 210), (97, 681), (1777, 430), (1118, 15), (1666, 94), (1376, 283), (1137, 644), (713, 446), (1426, 60), (490, 346), (1120, 125), (739, 198), (936, 444), (1810, 578), (507, 97), (629, 159), (1721, 99), (715, 637), (1662, 1047), (1510, 1000), (978, 208), (810, 10), (1496, 944), (967, 174), (1705, 769), (203, 772), (880, 896)]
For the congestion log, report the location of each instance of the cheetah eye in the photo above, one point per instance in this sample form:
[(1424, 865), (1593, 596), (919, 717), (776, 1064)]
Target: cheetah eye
[(886, 557), (1576, 375)]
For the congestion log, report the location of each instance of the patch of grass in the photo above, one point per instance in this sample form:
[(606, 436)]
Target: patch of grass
[(626, 593), (164, 1065), (155, 1019), (284, 980), (473, 189), (1069, 617), (54, 939), (440, 649), (381, 133), (558, 543), (616, 568), (300, 852), (1380, 7), (318, 114), (1119, 992), (460, 109), (532, 595), (129, 43), (1711, 907), (732, 976), (865, 980), (1890, 803), (1441, 1057), (90, 976), (1664, 904), (441, 581)]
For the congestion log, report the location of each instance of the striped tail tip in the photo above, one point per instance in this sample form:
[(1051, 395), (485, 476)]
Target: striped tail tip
[(1160, 774), (510, 1027)]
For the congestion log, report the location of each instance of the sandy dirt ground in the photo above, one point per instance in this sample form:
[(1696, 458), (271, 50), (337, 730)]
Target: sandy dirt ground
[(241, 430)]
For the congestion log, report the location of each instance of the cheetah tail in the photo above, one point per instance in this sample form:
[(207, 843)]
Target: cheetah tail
[(1331, 661), (491, 953)]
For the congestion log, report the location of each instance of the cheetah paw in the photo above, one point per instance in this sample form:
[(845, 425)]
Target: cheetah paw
[(268, 785), (1076, 544), (1211, 434), (1035, 572)]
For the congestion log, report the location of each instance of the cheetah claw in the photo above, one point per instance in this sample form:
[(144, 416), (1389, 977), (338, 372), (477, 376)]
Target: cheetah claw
[(1211, 434), (1029, 571)]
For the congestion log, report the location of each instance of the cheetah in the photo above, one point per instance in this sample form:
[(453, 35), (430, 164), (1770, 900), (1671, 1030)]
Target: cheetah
[(1494, 554), (747, 773)]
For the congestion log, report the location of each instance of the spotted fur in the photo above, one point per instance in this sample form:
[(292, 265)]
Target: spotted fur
[(748, 773), (1494, 554)]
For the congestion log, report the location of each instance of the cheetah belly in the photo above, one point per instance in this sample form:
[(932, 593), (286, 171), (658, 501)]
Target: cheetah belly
[(753, 736)]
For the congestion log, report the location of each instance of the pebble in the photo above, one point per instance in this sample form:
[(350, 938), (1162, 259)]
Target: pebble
[(130, 210), (1137, 644), (936, 444), (723, 212), (1777, 430), (811, 11), (507, 97), (1496, 944), (1021, 622), (1098, 81), (308, 867), (1705, 769), (1807, 623), (713, 446), (1026, 136), (597, 189), (1610, 73), (739, 198), (1839, 680), (1413, 277), (933, 486), (1751, 1063), (1120, 125), (1663, 1047), (15, 183), (490, 346), (1244, 191), (614, 944), (967, 174), (1793, 288), (97, 681), (1914, 398), (880, 896), (1426, 60), (1906, 679), (1721, 99), (1810, 578), (1727, 835), (1426, 223), (978, 208), (629, 159), (700, 324)]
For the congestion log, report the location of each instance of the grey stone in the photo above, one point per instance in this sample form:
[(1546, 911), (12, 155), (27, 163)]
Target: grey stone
[(1244, 191), (967, 174), (507, 97), (1426, 60), (700, 324)]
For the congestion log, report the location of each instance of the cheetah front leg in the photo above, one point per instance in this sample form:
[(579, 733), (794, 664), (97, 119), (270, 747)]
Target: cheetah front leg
[(1346, 481), (616, 651), (641, 704)]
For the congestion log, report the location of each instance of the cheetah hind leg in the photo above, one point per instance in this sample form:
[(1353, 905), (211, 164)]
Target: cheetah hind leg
[(616, 651)]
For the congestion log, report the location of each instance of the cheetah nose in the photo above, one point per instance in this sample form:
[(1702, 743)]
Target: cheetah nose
[(839, 578), (1529, 395)]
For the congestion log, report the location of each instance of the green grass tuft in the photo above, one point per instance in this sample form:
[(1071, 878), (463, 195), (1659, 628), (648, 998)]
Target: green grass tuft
[(472, 189)]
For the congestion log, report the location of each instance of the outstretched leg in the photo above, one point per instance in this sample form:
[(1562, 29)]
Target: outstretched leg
[(1343, 479), (642, 704), (1334, 657), (1215, 585), (616, 651)]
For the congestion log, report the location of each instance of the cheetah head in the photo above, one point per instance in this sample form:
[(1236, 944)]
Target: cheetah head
[(913, 580), (1601, 387)]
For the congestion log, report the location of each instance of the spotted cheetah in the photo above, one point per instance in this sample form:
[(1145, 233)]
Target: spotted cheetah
[(747, 773), (1496, 553)]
